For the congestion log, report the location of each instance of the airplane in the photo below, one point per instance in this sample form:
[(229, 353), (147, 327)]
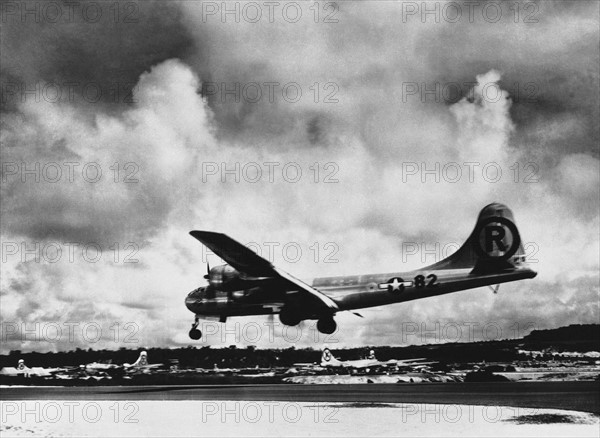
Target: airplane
[(141, 364), (250, 285), (99, 370), (217, 370), (99, 367), (23, 370), (111, 369), (328, 360)]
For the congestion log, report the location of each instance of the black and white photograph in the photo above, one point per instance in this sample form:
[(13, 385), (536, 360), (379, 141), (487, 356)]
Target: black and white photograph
[(236, 218)]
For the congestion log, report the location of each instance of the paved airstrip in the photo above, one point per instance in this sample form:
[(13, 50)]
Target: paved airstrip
[(578, 396), (426, 409)]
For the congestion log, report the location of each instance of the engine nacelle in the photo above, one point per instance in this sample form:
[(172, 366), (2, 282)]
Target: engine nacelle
[(239, 295), (223, 277), (246, 295)]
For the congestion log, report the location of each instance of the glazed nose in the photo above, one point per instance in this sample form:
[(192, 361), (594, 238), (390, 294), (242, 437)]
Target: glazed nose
[(189, 302), (194, 298)]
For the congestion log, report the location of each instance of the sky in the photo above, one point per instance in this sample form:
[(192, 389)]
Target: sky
[(332, 138)]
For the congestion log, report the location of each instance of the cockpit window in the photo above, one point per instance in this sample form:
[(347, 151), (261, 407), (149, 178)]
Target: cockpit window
[(196, 293)]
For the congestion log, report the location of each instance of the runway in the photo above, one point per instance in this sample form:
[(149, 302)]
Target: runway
[(577, 396)]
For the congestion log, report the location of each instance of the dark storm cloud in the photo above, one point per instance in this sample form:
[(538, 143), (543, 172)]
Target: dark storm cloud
[(107, 56), (549, 67), (548, 58)]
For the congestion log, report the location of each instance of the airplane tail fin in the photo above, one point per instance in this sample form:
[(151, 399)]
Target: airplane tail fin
[(141, 360), (327, 359), (493, 246)]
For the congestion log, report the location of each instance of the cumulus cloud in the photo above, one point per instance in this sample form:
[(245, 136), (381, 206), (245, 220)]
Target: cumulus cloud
[(394, 158), (108, 179)]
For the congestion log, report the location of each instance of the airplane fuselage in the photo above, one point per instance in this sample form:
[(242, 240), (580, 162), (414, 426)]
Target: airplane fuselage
[(349, 292)]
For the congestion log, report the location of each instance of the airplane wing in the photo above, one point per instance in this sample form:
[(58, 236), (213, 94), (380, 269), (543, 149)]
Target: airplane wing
[(143, 367), (360, 364), (235, 254), (416, 361), (9, 371), (409, 364), (248, 262)]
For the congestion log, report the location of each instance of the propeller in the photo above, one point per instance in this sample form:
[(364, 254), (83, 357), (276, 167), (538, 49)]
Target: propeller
[(207, 276)]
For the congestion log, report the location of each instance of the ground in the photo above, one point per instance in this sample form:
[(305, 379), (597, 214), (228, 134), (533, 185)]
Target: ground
[(263, 418)]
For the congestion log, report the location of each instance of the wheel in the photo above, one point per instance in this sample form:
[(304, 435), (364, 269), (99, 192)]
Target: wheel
[(288, 318), (326, 325), (195, 334)]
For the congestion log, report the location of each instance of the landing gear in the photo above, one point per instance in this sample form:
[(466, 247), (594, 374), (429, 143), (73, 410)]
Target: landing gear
[(326, 325), (195, 334), (289, 318)]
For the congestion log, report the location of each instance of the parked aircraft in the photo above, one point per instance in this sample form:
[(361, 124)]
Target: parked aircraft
[(100, 367), (141, 364), (328, 360), (23, 370)]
